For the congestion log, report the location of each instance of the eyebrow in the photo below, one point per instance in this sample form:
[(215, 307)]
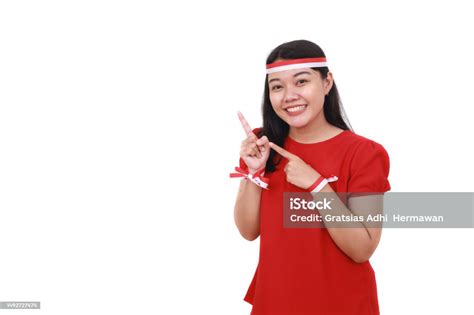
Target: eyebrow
[(299, 73)]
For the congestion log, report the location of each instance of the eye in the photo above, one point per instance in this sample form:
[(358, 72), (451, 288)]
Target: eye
[(276, 87), (301, 81)]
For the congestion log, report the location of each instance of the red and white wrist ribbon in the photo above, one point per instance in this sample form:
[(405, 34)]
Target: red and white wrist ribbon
[(256, 178), (296, 64), (320, 183)]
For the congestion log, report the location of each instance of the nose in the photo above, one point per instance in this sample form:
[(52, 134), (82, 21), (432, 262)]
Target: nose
[(291, 95)]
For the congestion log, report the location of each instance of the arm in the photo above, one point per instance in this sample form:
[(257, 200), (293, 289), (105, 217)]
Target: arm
[(254, 153), (359, 242), (247, 210)]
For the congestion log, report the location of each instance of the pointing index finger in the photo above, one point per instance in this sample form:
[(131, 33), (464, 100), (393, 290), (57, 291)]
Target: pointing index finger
[(283, 152), (245, 124)]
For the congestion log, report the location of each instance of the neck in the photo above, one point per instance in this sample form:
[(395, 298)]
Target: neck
[(318, 130)]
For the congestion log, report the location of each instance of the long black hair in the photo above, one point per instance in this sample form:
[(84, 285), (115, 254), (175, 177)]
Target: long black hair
[(277, 129)]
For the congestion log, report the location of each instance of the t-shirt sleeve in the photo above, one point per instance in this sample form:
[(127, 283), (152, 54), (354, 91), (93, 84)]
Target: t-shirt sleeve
[(369, 169)]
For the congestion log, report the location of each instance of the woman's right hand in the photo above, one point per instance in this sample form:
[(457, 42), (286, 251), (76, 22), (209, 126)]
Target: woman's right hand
[(253, 151)]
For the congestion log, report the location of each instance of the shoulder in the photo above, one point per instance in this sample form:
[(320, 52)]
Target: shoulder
[(365, 152), (360, 144), (369, 166)]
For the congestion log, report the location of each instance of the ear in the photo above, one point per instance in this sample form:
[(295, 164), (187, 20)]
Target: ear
[(328, 82)]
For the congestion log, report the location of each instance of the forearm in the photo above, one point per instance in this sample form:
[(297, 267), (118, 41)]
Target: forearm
[(247, 210), (355, 241)]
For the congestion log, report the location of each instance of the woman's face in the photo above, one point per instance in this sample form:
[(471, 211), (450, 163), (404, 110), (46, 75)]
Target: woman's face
[(297, 95)]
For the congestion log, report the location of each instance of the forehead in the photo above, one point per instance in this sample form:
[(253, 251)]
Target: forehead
[(290, 74)]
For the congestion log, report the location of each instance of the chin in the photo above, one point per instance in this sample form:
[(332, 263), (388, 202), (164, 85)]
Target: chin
[(297, 122)]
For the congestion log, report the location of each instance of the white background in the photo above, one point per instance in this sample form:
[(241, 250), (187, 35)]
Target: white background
[(118, 129)]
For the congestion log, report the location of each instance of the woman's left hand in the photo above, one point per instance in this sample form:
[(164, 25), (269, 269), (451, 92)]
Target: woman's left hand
[(297, 171)]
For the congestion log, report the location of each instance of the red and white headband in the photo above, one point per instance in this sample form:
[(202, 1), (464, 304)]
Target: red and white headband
[(296, 64)]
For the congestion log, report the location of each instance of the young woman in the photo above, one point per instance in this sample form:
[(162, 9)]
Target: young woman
[(305, 139)]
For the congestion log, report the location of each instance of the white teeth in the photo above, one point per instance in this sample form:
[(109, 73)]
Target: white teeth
[(295, 109)]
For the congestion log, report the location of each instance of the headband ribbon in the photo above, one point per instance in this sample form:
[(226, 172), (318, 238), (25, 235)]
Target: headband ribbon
[(296, 64)]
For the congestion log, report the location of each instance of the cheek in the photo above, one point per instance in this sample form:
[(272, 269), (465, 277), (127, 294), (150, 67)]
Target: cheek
[(315, 96), (275, 99)]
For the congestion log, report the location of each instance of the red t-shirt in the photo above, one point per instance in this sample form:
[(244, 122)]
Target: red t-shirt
[(301, 270)]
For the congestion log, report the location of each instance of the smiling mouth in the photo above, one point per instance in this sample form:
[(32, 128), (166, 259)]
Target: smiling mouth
[(296, 109)]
